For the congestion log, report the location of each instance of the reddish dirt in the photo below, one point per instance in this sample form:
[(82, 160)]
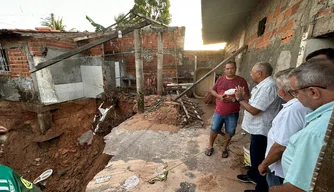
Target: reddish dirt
[(139, 122), (73, 165), (30, 153), (167, 113)]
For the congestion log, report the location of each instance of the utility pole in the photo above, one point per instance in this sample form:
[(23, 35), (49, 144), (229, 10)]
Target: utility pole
[(139, 71), (160, 64)]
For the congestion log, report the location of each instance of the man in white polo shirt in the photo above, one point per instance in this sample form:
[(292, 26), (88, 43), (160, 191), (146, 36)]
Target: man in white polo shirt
[(260, 110), (288, 121)]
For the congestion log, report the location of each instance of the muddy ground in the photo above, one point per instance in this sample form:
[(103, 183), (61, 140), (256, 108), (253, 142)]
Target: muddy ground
[(30, 153)]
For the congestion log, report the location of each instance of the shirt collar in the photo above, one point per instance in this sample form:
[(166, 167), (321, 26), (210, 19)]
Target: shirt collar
[(292, 101), (265, 81), (319, 111)]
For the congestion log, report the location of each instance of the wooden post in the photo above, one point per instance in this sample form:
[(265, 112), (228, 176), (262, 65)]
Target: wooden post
[(195, 63), (160, 64), (139, 71), (206, 75), (322, 180)]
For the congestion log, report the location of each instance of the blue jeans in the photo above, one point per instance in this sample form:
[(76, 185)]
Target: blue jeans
[(230, 121), (274, 180), (257, 153)]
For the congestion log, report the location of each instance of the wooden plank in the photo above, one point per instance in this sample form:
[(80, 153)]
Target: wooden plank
[(61, 57), (149, 19), (194, 116), (184, 108), (206, 75), (322, 180)]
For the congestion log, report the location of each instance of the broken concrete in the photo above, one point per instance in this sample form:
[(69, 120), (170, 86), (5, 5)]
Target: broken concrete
[(45, 121), (143, 148)]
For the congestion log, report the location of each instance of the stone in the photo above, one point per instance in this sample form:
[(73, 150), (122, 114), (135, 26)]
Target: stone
[(86, 138)]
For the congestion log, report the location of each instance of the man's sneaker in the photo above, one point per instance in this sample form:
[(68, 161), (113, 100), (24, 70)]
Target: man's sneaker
[(245, 179)]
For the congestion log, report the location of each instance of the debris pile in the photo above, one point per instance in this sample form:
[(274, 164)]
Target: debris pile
[(149, 102), (115, 108), (167, 113), (30, 153)]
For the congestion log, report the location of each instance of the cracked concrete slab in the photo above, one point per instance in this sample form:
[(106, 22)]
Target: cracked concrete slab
[(142, 149)]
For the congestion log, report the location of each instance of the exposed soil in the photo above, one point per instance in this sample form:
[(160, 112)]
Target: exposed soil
[(29, 153), (167, 113)]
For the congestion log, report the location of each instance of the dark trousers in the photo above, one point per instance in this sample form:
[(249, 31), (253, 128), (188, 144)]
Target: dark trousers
[(257, 153)]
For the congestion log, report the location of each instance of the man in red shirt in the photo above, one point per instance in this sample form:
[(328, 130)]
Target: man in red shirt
[(227, 109)]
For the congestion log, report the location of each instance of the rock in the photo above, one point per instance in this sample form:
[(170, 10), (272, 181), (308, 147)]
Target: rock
[(37, 159), (190, 175), (63, 172), (86, 138), (186, 187)]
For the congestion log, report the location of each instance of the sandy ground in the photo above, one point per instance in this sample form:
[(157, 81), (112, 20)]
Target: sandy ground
[(141, 147)]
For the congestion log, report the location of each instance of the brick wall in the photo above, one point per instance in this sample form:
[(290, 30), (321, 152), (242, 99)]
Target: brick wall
[(173, 43), (17, 58), (282, 21), (37, 45), (18, 63), (17, 84), (279, 44)]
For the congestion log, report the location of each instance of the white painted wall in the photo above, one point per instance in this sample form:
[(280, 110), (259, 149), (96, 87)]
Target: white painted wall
[(117, 74), (92, 80), (68, 92)]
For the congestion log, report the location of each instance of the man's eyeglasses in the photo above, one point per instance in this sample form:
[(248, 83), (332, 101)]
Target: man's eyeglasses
[(294, 92)]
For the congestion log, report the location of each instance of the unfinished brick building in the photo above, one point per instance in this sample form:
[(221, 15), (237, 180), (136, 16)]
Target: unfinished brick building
[(281, 32), (89, 73)]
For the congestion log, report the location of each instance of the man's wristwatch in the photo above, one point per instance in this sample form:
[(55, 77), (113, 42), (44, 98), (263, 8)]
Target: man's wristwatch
[(240, 99)]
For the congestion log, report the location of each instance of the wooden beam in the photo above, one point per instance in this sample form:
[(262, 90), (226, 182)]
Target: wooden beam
[(61, 57), (149, 19), (206, 75), (184, 107), (322, 180)]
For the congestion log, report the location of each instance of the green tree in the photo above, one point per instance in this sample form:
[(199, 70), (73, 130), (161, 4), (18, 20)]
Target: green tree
[(97, 26), (52, 23), (155, 9)]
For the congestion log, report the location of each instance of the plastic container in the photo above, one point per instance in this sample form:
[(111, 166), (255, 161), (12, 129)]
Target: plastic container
[(247, 159), (202, 88)]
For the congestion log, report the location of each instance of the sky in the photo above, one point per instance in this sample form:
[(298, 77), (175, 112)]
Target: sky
[(27, 14)]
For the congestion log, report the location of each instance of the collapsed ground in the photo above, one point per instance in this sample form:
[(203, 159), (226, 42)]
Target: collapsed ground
[(29, 153)]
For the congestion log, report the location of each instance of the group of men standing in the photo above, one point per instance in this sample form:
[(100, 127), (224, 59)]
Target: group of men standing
[(286, 116)]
